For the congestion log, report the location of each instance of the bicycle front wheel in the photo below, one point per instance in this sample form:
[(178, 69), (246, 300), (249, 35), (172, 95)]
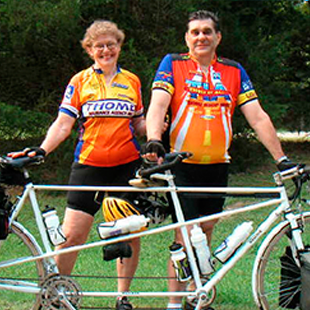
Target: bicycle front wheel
[(276, 278), (20, 243)]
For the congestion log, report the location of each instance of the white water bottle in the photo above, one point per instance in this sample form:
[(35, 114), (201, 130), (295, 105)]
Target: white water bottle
[(199, 242), (233, 242), (180, 262), (53, 227), (122, 226)]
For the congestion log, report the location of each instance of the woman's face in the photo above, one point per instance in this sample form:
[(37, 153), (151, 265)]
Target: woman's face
[(105, 51)]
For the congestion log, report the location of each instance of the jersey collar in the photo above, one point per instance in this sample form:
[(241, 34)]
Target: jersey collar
[(100, 71), (195, 60)]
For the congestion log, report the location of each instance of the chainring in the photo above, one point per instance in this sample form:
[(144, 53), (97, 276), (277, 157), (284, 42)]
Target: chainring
[(192, 301), (56, 289)]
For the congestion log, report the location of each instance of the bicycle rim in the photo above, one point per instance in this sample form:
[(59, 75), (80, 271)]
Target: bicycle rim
[(273, 289), (19, 244)]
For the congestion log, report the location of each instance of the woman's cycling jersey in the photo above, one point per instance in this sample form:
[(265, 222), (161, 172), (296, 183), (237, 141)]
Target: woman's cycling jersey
[(202, 104), (105, 113)]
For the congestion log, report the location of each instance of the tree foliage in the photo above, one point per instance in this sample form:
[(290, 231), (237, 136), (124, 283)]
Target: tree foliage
[(40, 47), (27, 124), (39, 51)]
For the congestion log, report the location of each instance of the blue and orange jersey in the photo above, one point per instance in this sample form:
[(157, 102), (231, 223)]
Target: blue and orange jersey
[(202, 104), (104, 112)]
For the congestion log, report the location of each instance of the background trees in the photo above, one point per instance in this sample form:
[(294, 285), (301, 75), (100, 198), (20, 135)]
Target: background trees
[(40, 51)]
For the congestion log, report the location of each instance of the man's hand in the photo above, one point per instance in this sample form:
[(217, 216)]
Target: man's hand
[(284, 164), (29, 151), (153, 150)]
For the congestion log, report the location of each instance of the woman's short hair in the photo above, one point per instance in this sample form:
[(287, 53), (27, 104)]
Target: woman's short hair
[(101, 27)]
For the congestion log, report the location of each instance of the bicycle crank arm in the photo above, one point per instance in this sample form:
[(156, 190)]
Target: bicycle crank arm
[(65, 301), (201, 299)]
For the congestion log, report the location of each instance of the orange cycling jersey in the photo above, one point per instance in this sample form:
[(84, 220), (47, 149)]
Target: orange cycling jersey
[(202, 104), (105, 113)]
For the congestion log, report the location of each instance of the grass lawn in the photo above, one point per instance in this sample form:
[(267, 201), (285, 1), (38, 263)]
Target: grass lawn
[(233, 292)]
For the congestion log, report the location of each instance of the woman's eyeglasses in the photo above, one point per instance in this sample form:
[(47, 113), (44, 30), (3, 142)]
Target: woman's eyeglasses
[(110, 46)]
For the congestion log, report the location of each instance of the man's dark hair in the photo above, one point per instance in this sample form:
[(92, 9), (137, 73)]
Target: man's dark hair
[(202, 15)]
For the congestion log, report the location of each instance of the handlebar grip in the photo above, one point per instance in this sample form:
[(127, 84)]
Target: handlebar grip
[(173, 159), (305, 170)]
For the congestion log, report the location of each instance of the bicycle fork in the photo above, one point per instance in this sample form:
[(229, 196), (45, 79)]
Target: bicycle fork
[(295, 239)]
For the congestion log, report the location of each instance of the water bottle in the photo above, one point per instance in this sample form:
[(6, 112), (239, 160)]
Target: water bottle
[(122, 226), (232, 242), (53, 227), (200, 244), (180, 262)]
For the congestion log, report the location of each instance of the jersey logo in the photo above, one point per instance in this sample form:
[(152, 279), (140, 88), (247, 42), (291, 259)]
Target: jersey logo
[(247, 85), (108, 108), (164, 75), (68, 93), (119, 85)]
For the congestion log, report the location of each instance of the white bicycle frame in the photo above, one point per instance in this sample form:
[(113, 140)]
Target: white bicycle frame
[(201, 290)]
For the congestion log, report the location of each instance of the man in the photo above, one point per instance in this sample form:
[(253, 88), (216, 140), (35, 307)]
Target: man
[(202, 90)]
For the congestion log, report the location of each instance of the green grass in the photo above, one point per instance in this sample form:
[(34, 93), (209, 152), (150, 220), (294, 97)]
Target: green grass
[(233, 292)]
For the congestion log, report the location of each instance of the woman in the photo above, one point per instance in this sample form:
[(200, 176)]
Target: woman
[(106, 101)]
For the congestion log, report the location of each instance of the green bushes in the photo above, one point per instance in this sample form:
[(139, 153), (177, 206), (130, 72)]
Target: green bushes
[(19, 124)]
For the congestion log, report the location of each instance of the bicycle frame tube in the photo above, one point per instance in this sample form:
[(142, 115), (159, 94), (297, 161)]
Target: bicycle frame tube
[(19, 204), (281, 200), (30, 192), (162, 189), (248, 244), (184, 231), (154, 230)]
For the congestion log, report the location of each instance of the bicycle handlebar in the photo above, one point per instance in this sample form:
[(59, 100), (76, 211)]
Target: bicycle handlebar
[(171, 160), (299, 172), (299, 175)]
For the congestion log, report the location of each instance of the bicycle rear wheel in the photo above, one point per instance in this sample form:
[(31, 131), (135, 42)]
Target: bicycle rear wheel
[(20, 243), (274, 288)]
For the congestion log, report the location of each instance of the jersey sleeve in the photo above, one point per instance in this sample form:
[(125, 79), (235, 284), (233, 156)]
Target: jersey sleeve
[(164, 76), (247, 91), (140, 107), (70, 104)]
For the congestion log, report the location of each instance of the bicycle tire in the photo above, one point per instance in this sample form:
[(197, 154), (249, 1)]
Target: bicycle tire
[(266, 279), (20, 243)]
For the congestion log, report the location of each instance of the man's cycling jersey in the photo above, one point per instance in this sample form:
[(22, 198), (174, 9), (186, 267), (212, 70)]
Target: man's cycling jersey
[(202, 104), (105, 113)]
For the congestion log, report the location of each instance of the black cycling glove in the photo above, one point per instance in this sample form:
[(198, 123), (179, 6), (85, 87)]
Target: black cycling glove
[(154, 146), (38, 150), (284, 164)]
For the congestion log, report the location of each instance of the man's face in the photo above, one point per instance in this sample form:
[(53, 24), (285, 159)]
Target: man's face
[(201, 38)]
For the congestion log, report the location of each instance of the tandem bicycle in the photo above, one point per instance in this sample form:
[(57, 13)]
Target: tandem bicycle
[(28, 271)]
